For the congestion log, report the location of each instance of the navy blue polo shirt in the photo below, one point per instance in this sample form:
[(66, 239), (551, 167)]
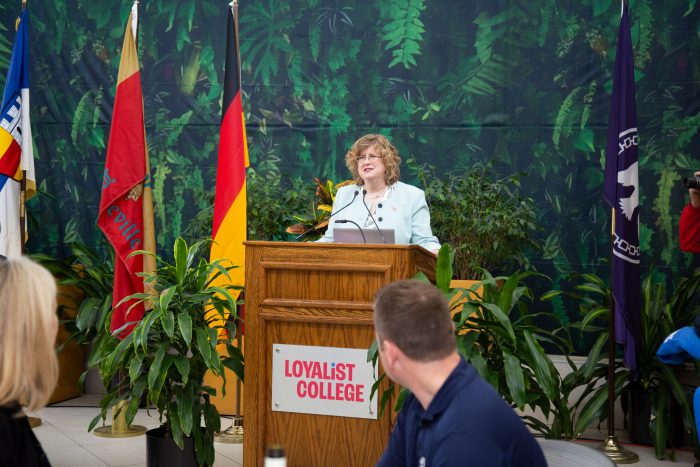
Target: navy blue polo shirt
[(466, 424)]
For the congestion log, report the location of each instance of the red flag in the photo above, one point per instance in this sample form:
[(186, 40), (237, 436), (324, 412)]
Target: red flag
[(229, 228), (126, 206)]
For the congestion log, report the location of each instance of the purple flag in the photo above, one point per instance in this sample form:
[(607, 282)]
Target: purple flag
[(621, 190)]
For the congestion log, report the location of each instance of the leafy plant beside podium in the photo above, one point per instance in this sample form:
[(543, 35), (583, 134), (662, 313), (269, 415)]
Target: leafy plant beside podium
[(312, 224), (481, 214), (165, 357)]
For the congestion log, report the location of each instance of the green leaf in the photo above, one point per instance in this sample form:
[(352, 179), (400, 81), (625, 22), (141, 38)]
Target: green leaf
[(180, 255), (163, 374), (135, 368), (155, 368), (514, 378), (594, 405), (211, 416), (204, 345), (184, 322), (502, 319), (176, 411), (443, 269), (144, 328), (594, 356), (183, 366), (167, 319), (187, 402), (88, 312), (595, 313), (542, 366)]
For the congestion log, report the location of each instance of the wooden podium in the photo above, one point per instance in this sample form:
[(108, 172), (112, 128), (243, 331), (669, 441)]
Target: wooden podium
[(316, 294)]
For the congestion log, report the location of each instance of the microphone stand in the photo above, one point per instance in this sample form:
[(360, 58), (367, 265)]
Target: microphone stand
[(364, 192)]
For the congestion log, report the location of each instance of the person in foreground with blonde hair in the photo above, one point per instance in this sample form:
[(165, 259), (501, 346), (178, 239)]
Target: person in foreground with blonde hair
[(28, 364)]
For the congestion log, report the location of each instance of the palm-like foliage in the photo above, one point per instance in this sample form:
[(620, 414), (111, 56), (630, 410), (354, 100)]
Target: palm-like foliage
[(313, 225), (499, 335), (93, 276), (505, 341), (165, 357), (660, 317)]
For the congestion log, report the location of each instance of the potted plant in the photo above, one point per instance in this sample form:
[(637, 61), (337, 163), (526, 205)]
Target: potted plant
[(658, 405), (496, 332), (93, 276), (167, 354), (271, 202), (313, 225), (481, 215)]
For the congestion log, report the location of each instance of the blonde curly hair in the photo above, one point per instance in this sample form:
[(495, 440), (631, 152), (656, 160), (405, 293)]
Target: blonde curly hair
[(387, 151)]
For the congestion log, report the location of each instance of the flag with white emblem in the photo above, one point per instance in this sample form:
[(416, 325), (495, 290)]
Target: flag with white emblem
[(621, 190)]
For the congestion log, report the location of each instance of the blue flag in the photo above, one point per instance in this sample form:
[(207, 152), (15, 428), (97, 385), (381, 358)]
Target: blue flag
[(16, 153), (621, 190)]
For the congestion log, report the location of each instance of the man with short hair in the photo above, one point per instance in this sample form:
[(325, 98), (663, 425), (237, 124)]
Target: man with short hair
[(452, 417)]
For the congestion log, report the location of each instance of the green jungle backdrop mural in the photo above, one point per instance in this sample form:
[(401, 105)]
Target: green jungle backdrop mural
[(519, 85)]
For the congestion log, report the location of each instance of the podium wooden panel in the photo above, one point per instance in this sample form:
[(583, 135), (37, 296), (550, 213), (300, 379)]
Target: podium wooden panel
[(321, 295)]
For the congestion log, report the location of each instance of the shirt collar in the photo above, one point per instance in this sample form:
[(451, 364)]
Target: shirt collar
[(463, 374)]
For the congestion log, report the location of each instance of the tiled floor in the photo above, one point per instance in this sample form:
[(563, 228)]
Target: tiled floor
[(64, 436)]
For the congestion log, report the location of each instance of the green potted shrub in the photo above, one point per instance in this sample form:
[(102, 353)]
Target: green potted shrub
[(497, 333), (656, 393), (480, 214), (271, 204), (312, 225), (93, 276), (165, 357)]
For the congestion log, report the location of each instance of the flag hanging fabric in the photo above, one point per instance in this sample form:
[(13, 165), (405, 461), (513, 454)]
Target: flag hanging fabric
[(229, 228), (16, 153), (621, 190), (126, 205)]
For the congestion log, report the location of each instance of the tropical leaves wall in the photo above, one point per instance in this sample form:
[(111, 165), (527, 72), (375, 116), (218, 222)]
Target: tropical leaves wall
[(526, 84)]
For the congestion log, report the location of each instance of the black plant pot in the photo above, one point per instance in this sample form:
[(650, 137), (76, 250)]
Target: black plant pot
[(163, 452), (637, 408)]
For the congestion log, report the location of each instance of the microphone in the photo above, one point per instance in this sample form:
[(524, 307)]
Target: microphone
[(303, 234), (364, 192), (345, 221)]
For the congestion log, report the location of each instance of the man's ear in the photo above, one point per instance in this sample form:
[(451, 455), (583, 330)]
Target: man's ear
[(390, 352)]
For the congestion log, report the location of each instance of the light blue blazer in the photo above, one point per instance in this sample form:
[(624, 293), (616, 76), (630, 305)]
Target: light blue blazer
[(403, 210)]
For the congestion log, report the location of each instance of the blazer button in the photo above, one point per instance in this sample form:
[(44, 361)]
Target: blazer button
[(379, 219)]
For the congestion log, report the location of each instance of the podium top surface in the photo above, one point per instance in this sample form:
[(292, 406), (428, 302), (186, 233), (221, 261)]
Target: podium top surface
[(369, 246)]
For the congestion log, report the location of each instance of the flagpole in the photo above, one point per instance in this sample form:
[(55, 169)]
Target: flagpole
[(119, 427), (22, 185), (33, 421), (234, 434), (611, 447)]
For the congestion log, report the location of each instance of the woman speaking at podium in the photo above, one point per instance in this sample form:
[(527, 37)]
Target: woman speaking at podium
[(378, 201)]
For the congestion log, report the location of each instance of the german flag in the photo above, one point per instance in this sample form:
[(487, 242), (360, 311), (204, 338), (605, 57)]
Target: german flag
[(230, 228)]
